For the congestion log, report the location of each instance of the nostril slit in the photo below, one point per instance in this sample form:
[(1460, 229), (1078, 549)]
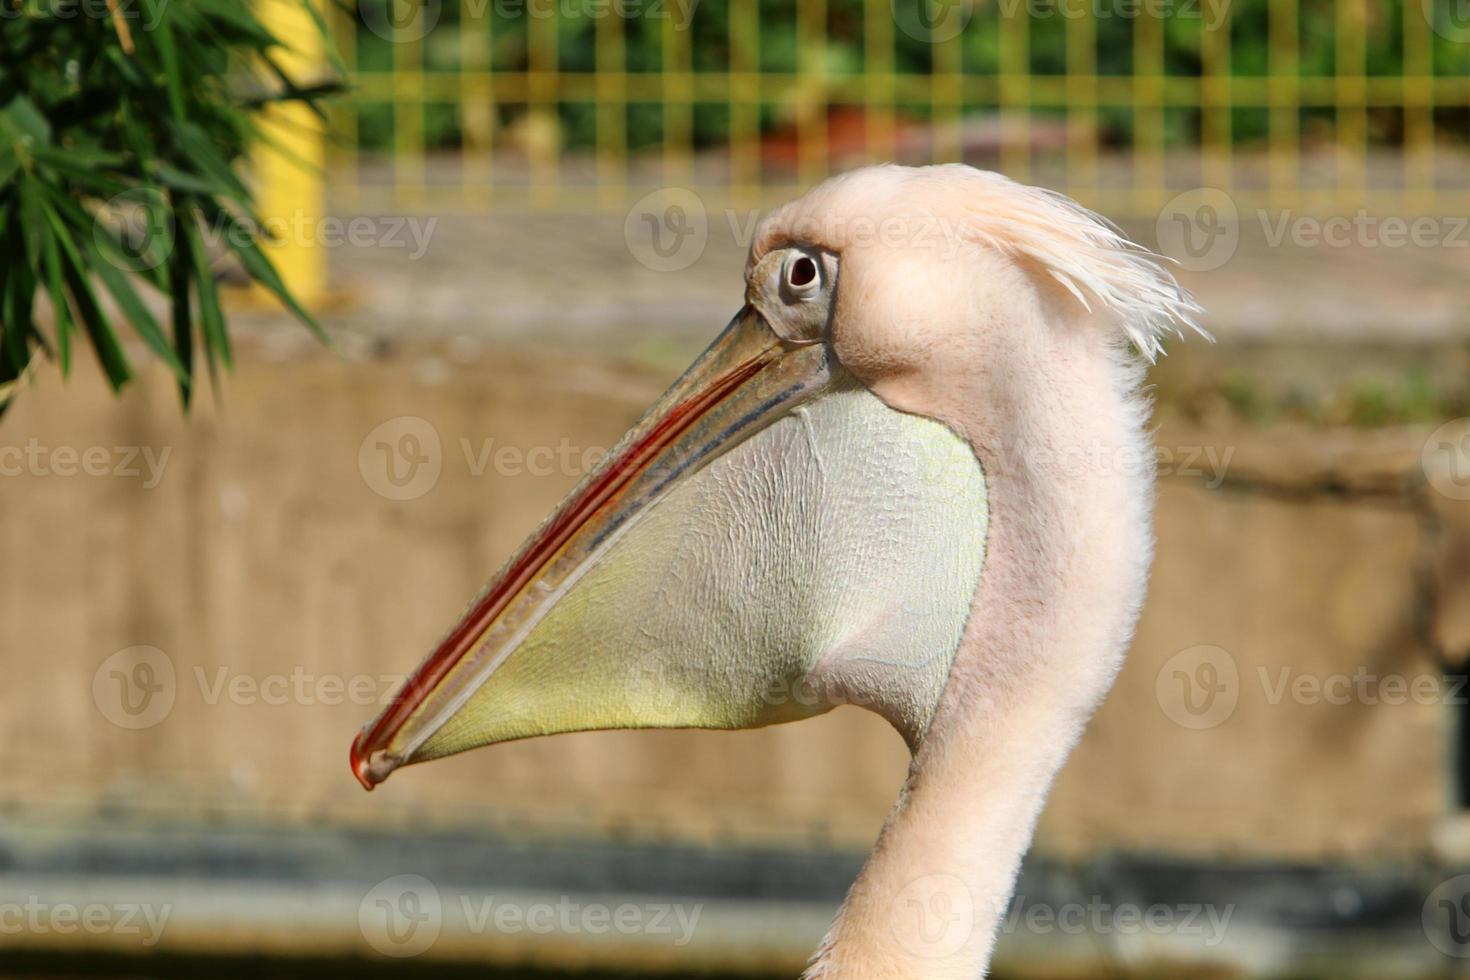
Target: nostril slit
[(803, 271)]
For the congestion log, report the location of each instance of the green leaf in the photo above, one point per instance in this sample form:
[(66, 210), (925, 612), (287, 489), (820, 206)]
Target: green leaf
[(9, 163), (89, 311), (180, 276), (95, 181), (207, 161), (22, 120), (32, 220), (169, 55), (216, 339), (15, 309), (132, 306), (61, 310), (180, 180), (260, 268)]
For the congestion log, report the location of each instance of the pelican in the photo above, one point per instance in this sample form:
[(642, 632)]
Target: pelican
[(911, 474)]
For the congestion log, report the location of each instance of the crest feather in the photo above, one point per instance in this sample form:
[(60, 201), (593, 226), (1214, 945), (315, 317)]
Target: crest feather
[(1109, 274)]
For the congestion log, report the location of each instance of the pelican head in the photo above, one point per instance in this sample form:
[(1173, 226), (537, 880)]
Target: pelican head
[(911, 475)]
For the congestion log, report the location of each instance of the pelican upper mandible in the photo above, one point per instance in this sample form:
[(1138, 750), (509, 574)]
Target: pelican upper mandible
[(911, 474)]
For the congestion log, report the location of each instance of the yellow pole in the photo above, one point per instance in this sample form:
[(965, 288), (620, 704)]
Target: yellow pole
[(289, 162)]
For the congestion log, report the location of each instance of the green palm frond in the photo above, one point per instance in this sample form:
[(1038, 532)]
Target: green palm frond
[(121, 127)]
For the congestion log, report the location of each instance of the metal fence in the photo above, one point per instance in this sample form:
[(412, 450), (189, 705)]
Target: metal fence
[(575, 104)]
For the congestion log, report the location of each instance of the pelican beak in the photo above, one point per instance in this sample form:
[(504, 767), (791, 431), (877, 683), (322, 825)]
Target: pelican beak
[(567, 636)]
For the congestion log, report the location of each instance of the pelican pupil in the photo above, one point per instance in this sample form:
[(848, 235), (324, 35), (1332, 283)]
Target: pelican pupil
[(803, 271)]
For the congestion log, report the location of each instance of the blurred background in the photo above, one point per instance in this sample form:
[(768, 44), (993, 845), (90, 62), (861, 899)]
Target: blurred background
[(517, 223)]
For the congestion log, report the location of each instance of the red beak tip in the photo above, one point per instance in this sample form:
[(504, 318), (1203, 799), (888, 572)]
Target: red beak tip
[(360, 767)]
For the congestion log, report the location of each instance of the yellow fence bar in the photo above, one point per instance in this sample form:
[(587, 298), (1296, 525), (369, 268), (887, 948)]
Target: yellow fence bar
[(743, 95), (476, 109), (811, 94), (1014, 92), (542, 133), (1216, 126), (947, 99), (879, 119), (1148, 100), (612, 112), (1418, 99), (1352, 115), (1284, 99), (678, 104), (289, 162), (1109, 90), (1082, 133)]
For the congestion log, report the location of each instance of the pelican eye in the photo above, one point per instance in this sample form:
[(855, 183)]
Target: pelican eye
[(802, 271), (801, 278), (793, 289)]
